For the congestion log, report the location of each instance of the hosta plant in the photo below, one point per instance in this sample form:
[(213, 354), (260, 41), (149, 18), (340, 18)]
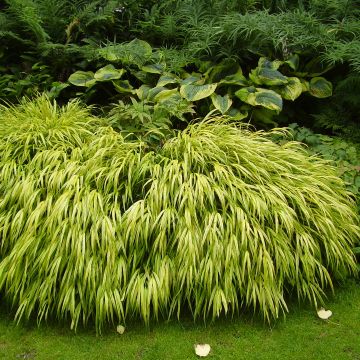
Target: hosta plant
[(94, 226)]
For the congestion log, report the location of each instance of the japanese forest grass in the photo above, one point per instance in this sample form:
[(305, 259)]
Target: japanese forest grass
[(96, 227)]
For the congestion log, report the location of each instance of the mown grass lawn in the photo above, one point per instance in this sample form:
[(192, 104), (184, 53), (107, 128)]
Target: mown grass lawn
[(301, 336)]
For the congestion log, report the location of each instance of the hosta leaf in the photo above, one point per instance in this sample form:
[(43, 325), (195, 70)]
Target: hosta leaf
[(268, 99), (266, 63), (267, 76), (108, 72), (123, 86), (264, 116), (236, 79), (82, 78), (237, 114), (155, 91), (143, 91), (154, 68), (305, 85), (197, 92), (320, 87), (292, 90), (225, 68), (167, 79), (167, 96), (221, 103), (194, 78), (293, 61)]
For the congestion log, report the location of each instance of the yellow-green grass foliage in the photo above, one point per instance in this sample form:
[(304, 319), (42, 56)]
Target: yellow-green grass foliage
[(95, 227)]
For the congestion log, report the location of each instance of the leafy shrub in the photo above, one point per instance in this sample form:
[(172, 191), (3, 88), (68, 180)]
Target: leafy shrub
[(343, 154), (93, 226)]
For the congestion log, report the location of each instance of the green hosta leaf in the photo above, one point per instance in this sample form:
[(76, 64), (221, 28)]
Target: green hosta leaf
[(266, 63), (197, 92), (264, 116), (293, 62), (221, 103), (237, 114), (225, 68), (154, 68), (167, 79), (236, 79), (267, 76), (142, 92), (292, 90), (82, 78), (194, 78), (260, 97), (108, 72), (155, 91), (123, 86), (320, 87), (167, 96), (305, 85)]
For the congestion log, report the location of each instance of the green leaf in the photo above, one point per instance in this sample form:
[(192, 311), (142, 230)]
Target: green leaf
[(237, 114), (218, 72), (154, 68), (136, 52), (155, 91), (264, 116), (197, 92), (236, 79), (193, 78), (167, 97), (260, 97), (221, 103), (266, 63), (108, 72), (167, 79), (123, 86), (82, 78), (320, 87), (292, 90), (143, 91), (293, 61), (267, 76)]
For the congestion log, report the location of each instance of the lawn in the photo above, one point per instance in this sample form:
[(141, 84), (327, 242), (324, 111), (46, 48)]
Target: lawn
[(300, 336)]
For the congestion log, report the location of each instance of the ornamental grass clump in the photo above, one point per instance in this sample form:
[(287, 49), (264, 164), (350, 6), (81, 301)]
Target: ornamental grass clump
[(95, 227)]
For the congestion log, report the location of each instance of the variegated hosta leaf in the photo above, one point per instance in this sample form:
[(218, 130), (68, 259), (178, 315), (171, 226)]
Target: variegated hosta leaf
[(266, 63), (292, 90), (143, 91), (197, 92), (237, 114), (221, 103), (320, 87), (155, 91), (167, 96), (218, 72), (194, 78), (260, 97), (166, 79), (108, 72), (123, 86), (82, 78), (235, 79), (267, 76), (293, 61), (154, 68)]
